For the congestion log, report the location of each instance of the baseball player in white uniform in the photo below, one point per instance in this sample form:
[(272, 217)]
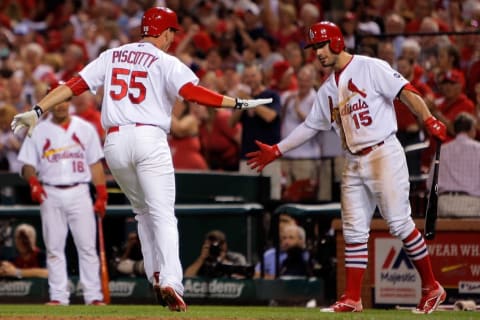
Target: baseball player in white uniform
[(357, 100), (60, 159), (141, 83)]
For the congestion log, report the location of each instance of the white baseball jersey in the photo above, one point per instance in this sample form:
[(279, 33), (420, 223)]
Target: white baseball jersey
[(141, 84), (358, 102), (62, 156)]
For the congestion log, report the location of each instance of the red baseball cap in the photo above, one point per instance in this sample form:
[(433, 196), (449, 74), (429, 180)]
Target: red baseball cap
[(452, 76)]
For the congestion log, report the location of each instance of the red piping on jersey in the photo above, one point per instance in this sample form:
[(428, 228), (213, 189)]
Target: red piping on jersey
[(410, 87), (77, 85), (337, 73), (201, 95)]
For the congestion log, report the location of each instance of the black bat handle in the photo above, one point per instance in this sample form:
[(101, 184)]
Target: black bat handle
[(432, 204)]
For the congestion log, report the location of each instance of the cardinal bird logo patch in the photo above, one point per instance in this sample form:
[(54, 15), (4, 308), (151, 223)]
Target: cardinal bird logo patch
[(45, 147), (77, 141), (352, 87)]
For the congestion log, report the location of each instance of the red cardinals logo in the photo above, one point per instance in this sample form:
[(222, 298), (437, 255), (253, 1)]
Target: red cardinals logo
[(77, 141), (46, 146), (352, 87)]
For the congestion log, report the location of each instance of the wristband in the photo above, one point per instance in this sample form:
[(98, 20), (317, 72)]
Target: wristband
[(38, 110), (18, 273)]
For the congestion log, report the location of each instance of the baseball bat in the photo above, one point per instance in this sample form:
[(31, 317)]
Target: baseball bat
[(103, 263), (432, 203)]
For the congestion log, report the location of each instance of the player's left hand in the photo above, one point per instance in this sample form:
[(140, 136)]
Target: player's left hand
[(100, 205), (26, 120), (259, 159), (436, 128), (251, 103)]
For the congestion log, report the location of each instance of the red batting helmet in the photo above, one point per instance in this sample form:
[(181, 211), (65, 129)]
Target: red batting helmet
[(156, 20), (326, 31)]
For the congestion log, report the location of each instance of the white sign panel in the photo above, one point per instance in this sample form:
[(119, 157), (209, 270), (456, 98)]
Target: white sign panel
[(396, 279)]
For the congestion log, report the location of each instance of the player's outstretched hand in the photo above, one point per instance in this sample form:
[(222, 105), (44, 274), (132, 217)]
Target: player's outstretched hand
[(251, 103), (26, 120), (100, 205), (37, 193), (259, 159), (436, 128)]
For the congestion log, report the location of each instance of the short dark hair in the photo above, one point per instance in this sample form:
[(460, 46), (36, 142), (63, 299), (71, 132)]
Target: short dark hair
[(463, 122)]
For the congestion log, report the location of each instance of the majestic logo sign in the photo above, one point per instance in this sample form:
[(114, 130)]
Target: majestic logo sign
[(396, 279)]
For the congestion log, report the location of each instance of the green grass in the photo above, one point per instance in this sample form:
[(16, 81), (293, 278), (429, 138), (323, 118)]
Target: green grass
[(140, 312)]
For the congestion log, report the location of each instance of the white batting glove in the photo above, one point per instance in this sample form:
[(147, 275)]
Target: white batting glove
[(26, 120), (250, 103)]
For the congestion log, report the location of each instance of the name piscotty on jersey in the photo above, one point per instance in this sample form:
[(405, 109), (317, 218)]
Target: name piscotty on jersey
[(133, 57), (141, 84), (362, 97)]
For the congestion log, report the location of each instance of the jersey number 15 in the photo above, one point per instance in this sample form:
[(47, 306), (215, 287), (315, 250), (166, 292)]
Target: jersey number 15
[(126, 80)]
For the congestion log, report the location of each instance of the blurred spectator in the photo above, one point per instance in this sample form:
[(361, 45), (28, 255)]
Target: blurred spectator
[(288, 29), (300, 166), (265, 47), (30, 261), (9, 143), (424, 9), (34, 68), (261, 123), (283, 77), (459, 171), (18, 95), (294, 259), (215, 260), (430, 44), (395, 24), (386, 52), (220, 142), (295, 55), (73, 61), (411, 50), (85, 107), (130, 262), (477, 108), (448, 58), (348, 25), (453, 100), (409, 129), (184, 140)]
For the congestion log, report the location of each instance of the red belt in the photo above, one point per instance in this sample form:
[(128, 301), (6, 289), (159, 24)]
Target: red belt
[(117, 128), (367, 150)]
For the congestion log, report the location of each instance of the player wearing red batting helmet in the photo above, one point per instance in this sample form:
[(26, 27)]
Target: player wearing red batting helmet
[(142, 82), (356, 100), (156, 20)]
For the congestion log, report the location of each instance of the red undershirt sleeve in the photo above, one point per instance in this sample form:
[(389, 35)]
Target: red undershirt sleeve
[(410, 87), (201, 95), (77, 85)]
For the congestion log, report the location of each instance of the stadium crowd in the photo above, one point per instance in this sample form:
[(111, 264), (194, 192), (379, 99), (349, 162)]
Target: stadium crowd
[(44, 42)]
